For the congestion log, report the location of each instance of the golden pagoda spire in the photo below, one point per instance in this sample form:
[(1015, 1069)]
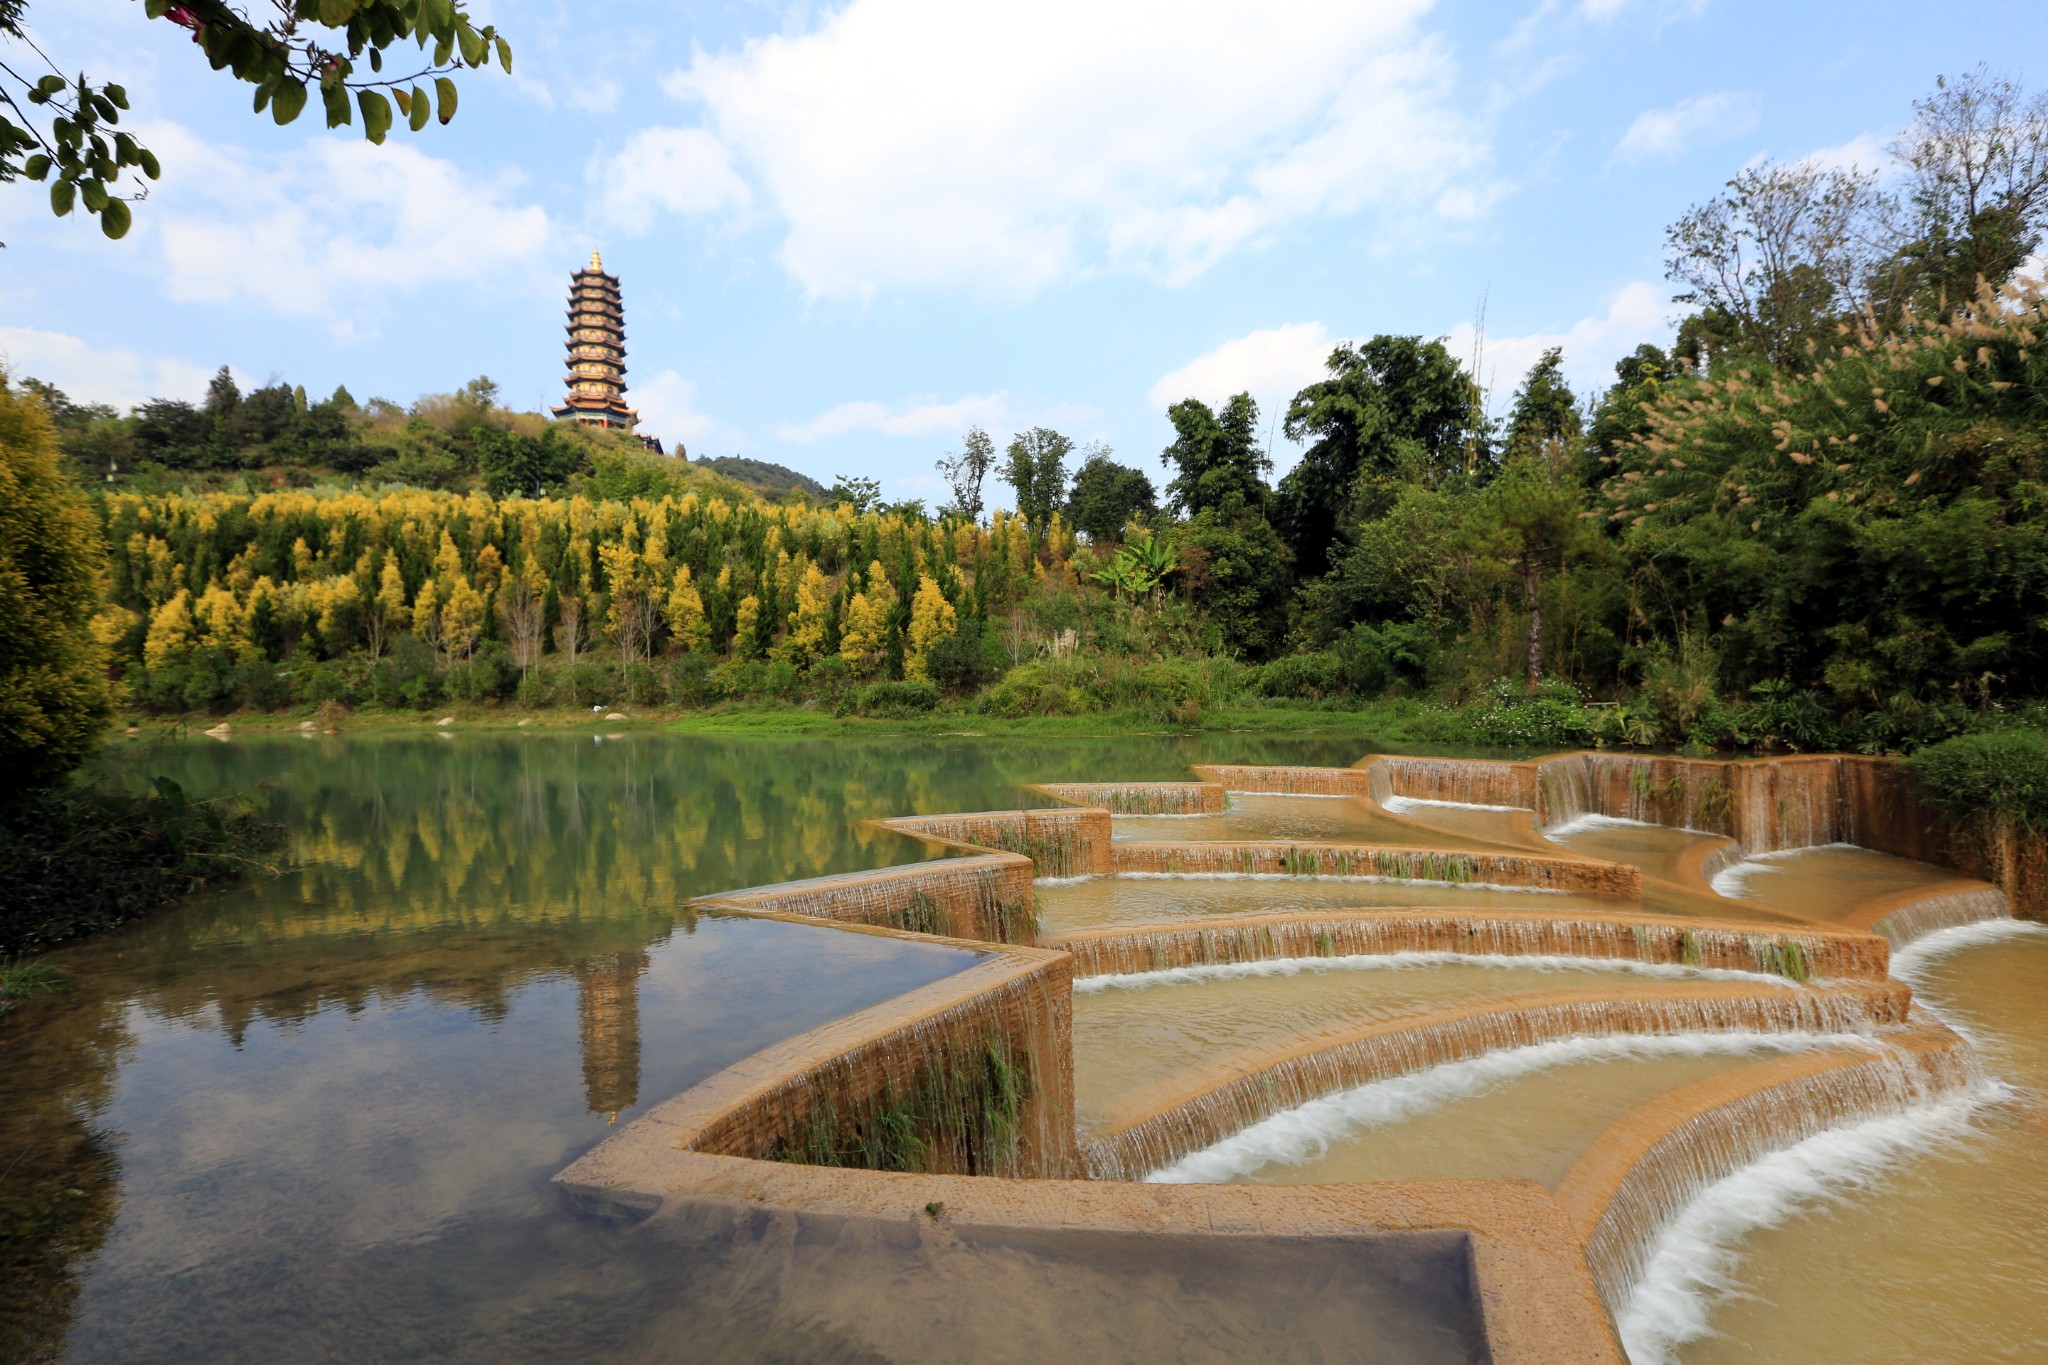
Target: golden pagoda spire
[(596, 344)]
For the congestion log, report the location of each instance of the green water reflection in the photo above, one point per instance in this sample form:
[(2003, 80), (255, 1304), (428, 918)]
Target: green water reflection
[(313, 1118)]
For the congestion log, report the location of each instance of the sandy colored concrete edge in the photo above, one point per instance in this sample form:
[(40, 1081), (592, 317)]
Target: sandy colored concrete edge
[(1536, 1295)]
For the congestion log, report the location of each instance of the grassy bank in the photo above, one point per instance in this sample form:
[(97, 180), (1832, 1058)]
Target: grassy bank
[(1391, 722)]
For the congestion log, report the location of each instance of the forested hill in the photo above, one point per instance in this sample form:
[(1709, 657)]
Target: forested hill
[(771, 481)]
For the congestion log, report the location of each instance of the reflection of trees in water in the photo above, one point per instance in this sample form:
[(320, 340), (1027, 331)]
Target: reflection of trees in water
[(459, 871), (59, 1173)]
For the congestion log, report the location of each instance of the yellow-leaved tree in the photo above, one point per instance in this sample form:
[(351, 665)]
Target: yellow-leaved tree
[(932, 619), (684, 611), (864, 641), (746, 641), (805, 641), (53, 672)]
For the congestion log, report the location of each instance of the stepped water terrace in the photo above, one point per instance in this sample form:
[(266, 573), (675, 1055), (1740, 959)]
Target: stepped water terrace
[(767, 1051), (1584, 1015)]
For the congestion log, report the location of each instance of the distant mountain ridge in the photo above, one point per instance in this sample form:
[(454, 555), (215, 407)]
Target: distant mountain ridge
[(768, 479)]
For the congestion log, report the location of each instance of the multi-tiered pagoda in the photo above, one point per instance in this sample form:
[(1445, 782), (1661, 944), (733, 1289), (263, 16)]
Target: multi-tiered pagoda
[(597, 352)]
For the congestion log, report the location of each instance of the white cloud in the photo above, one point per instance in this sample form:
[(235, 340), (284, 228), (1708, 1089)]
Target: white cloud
[(1273, 364), (1864, 152), (927, 418), (681, 170), (927, 143), (1635, 314), (1690, 122), (334, 225), (667, 404), (99, 374)]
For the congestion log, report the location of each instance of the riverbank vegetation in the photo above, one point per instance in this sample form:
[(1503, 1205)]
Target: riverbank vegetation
[(1814, 521)]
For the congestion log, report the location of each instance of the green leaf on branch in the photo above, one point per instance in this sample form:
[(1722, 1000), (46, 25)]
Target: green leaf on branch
[(286, 103), (115, 218), (404, 100), (336, 99), (36, 167), (147, 160), (95, 195), (473, 50), (445, 89), (422, 109), (505, 55), (376, 115), (118, 95), (61, 195)]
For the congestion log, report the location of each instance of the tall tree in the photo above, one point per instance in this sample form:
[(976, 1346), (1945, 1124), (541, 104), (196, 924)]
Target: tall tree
[(1977, 195), (1394, 406), (1775, 260), (965, 473), (1545, 410), (1106, 496), (62, 129), (1036, 467), (53, 682), (1533, 521), (1216, 457)]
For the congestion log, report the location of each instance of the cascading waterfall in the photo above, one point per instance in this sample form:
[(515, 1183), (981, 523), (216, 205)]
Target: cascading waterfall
[(1715, 1139), (1342, 1059), (1460, 781), (1944, 910), (1298, 1135), (1253, 938)]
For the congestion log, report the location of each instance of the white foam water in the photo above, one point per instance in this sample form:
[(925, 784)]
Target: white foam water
[(1334, 877), (1695, 1262), (1910, 963), (1580, 823), (1402, 804), (1063, 881), (1304, 1133), (1295, 966)]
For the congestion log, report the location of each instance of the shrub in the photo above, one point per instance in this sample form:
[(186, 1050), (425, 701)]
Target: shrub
[(486, 677), (584, 684), (1992, 775), (967, 659), (1379, 659), (689, 678), (403, 674), (643, 685), (1308, 677), (1035, 689), (1551, 717), (897, 699)]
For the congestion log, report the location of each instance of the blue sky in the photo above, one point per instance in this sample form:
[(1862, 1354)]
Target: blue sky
[(848, 231)]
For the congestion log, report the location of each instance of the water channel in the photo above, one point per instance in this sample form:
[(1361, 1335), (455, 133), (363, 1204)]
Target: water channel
[(314, 1117)]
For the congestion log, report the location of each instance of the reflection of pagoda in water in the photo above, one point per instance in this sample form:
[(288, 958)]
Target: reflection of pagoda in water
[(597, 354), (608, 1002)]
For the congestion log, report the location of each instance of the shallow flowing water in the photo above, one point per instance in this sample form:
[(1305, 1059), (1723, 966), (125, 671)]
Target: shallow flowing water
[(1138, 1032), (313, 1118), (1918, 1239), (1825, 882), (1139, 898), (1522, 1113)]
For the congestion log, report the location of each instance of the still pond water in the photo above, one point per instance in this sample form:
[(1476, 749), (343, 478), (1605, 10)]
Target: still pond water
[(313, 1118)]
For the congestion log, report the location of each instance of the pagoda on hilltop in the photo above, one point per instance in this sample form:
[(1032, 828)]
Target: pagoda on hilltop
[(597, 353)]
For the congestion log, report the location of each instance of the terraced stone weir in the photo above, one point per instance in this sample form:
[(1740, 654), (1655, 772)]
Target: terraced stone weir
[(1115, 1051)]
